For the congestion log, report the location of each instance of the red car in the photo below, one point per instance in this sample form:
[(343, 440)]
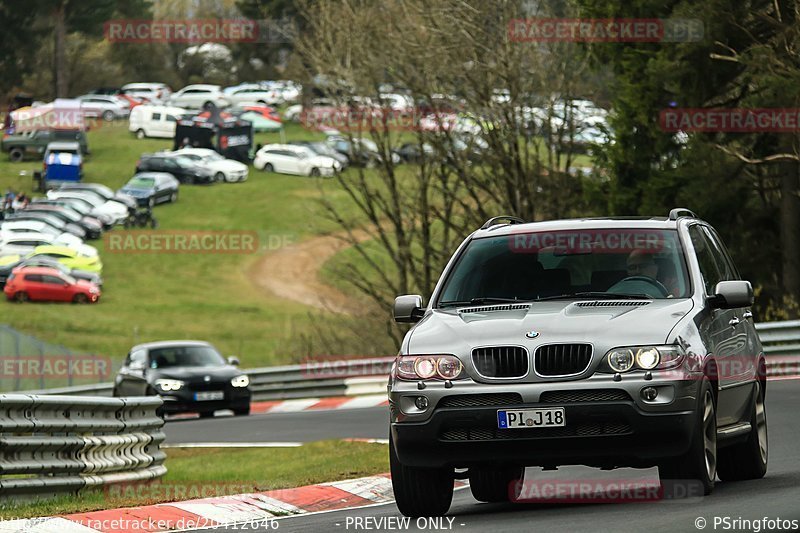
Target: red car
[(48, 284)]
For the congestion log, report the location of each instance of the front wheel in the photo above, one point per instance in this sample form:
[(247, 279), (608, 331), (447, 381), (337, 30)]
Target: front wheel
[(16, 155), (140, 134), (242, 412), (494, 485), (220, 177), (315, 172), (80, 299), (173, 197), (420, 491), (699, 463), (748, 459), (269, 168), (108, 116)]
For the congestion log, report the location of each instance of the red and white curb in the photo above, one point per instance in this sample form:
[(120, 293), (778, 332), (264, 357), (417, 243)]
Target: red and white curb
[(253, 508)]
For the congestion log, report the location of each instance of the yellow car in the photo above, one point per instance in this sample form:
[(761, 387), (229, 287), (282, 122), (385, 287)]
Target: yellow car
[(69, 257)]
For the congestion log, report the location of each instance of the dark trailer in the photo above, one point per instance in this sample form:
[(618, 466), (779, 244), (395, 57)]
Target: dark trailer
[(227, 134)]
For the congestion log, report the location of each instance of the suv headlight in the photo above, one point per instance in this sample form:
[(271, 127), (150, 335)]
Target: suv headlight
[(167, 385), (240, 381), (415, 367), (644, 358)]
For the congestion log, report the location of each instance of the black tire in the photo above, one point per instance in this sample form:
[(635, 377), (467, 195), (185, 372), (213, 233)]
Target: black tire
[(699, 463), (140, 134), (108, 116), (173, 197), (80, 298), (219, 177), (748, 459), (16, 155), (21, 297), (245, 411), (207, 414), (315, 172), (269, 168), (420, 491), (492, 485)]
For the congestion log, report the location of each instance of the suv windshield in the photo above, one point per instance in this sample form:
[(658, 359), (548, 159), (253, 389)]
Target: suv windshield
[(185, 356), (585, 263)]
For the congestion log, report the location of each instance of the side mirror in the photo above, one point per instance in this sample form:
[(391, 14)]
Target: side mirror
[(732, 294), (233, 360), (136, 365), (408, 309)]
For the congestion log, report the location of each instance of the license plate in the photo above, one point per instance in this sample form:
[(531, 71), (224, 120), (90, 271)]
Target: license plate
[(209, 396), (531, 418)]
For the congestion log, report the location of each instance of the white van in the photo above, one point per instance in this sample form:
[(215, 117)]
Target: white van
[(154, 121)]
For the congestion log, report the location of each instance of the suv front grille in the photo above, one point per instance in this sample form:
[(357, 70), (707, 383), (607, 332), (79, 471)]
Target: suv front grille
[(501, 361), (562, 359), (586, 429), (595, 395), (481, 400)]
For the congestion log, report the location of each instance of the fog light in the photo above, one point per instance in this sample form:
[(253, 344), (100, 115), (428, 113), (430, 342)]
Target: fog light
[(421, 402), (649, 393)]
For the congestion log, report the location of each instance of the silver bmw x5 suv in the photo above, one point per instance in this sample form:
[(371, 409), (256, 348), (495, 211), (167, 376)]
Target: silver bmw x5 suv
[(607, 342)]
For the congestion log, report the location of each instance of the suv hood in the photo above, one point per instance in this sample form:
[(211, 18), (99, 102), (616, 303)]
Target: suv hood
[(603, 323)]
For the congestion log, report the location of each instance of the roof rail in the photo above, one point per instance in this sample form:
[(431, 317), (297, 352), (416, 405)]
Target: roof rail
[(675, 214), (492, 221)]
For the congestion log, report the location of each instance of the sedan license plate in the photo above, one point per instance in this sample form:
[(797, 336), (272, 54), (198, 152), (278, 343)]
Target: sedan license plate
[(209, 396), (531, 418)]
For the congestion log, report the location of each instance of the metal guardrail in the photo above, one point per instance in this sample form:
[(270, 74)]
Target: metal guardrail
[(339, 378), (62, 444)]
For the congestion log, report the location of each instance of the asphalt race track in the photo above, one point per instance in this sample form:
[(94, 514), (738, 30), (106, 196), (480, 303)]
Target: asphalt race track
[(775, 496), (303, 426)]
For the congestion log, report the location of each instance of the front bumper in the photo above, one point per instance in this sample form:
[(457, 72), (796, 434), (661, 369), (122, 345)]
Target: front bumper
[(183, 401), (627, 432)]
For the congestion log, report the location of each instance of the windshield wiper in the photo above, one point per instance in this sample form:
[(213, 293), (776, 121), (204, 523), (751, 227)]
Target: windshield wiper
[(480, 301), (597, 295)]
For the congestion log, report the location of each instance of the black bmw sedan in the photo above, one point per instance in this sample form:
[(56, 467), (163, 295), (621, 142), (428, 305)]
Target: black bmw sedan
[(190, 376)]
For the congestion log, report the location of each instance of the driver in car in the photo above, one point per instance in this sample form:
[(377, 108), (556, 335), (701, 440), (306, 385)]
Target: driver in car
[(644, 263)]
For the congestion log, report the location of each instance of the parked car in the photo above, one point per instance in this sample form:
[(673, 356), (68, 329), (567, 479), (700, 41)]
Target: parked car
[(184, 169), (69, 257), (9, 263), (412, 153), (101, 191), (261, 120), (602, 342), (320, 148), (22, 243), (63, 161), (106, 107), (92, 226), (152, 92), (33, 143), (199, 96), (223, 169), (255, 94), (110, 212), (50, 285), (151, 188), (38, 226), (52, 221), (291, 159), (361, 152), (154, 121), (190, 376)]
